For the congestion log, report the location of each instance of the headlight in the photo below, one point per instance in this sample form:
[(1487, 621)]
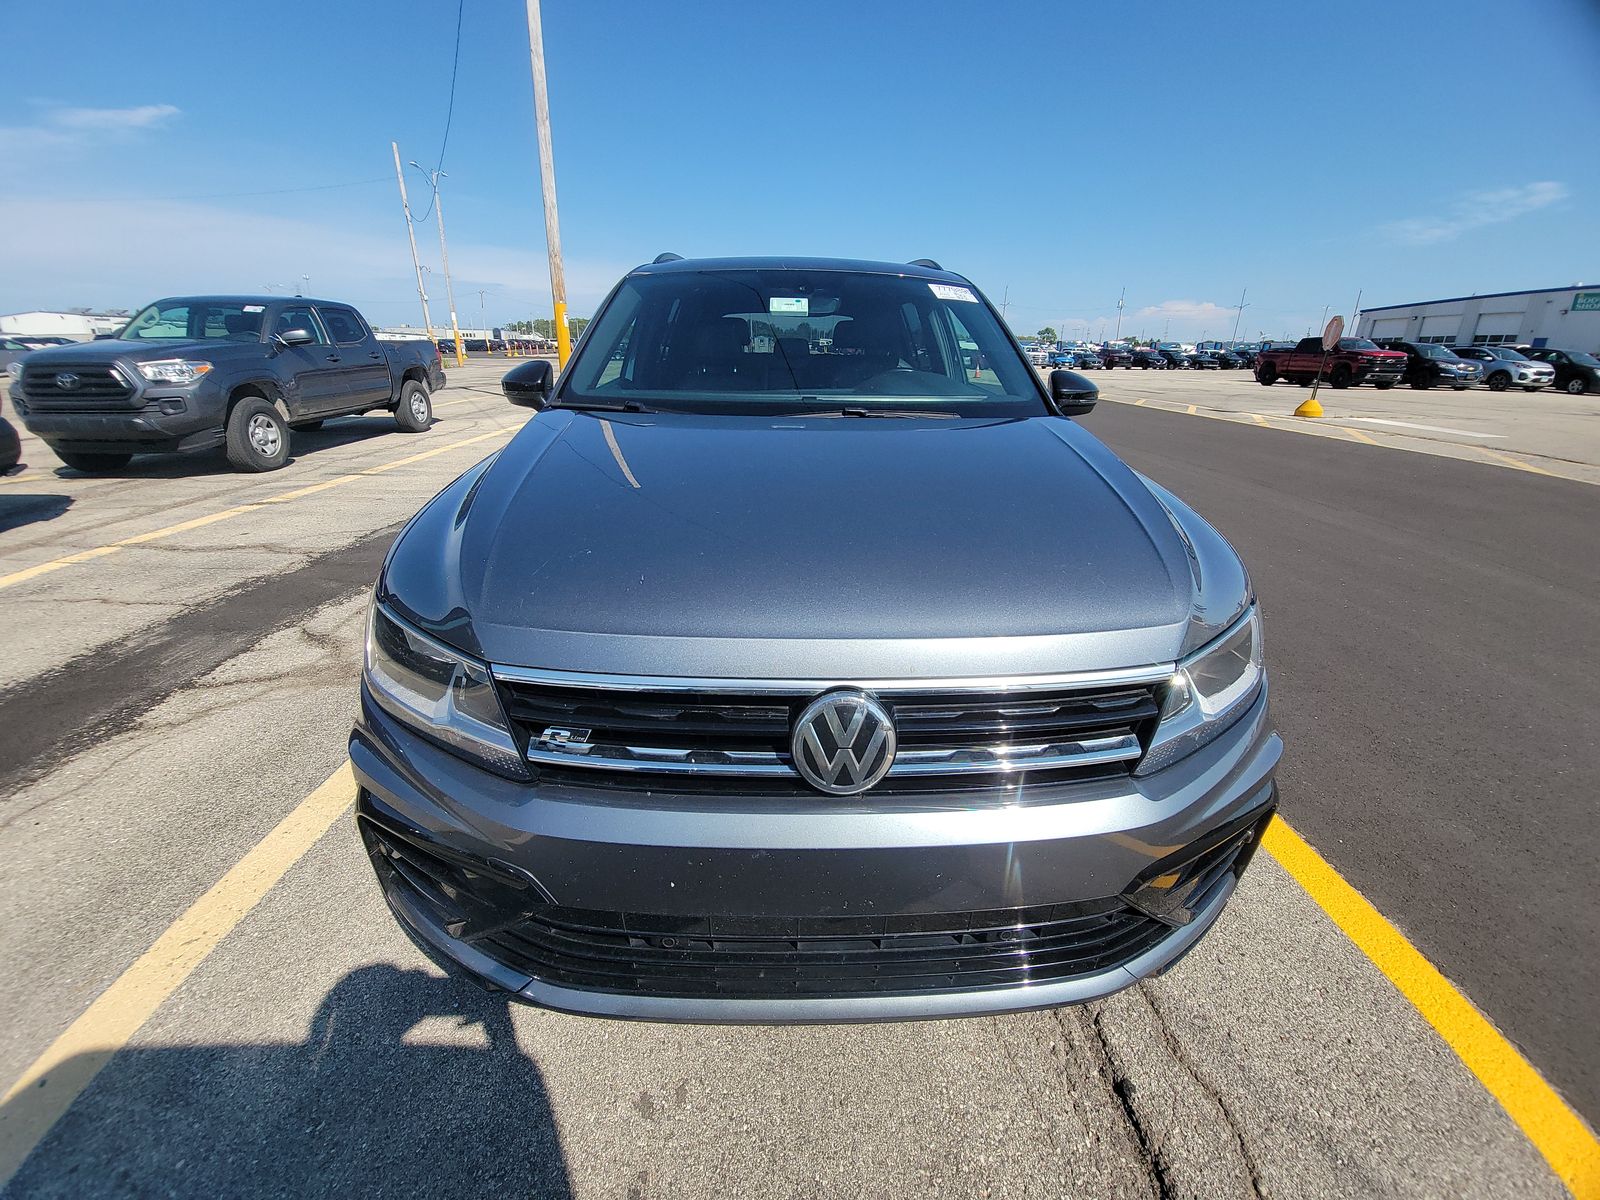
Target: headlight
[(172, 370), (440, 693), (1210, 690), (14, 369)]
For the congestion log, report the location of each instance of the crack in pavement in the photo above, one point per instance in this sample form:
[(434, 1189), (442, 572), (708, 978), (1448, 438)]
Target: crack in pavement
[(1123, 1088)]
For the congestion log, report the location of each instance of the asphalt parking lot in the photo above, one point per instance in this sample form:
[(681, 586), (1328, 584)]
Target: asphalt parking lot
[(177, 677)]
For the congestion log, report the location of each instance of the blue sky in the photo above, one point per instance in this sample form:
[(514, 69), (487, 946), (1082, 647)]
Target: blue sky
[(1055, 153)]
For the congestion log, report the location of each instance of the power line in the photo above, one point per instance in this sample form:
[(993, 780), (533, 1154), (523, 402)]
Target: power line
[(450, 108)]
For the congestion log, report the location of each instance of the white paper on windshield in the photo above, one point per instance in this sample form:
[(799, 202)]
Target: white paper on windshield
[(255, 308), (799, 306), (947, 291)]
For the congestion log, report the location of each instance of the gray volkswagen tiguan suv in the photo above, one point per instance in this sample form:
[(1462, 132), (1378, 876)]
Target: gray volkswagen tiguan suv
[(802, 660)]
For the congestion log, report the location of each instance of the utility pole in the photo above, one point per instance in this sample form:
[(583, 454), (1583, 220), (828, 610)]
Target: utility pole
[(547, 183), (1239, 312), (1005, 303), (444, 254), (1118, 336), (405, 206), (1355, 313)]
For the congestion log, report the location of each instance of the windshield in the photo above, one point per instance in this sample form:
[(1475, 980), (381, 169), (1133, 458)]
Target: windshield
[(1506, 352), (1358, 344), (189, 320), (790, 341), (1582, 359), (1429, 350)]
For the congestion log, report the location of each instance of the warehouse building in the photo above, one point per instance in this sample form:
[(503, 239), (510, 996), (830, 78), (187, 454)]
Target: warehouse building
[(1567, 318)]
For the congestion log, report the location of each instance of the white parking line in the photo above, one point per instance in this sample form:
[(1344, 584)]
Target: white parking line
[(1430, 428)]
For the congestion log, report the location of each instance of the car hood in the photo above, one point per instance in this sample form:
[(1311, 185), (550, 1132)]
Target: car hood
[(748, 546), (106, 349)]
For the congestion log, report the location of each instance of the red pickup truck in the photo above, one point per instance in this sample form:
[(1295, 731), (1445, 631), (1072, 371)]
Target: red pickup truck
[(1355, 361)]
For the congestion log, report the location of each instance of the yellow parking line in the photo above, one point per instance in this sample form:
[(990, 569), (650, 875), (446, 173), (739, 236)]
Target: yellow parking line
[(1358, 434), (1557, 1132), (166, 531), (1192, 410), (1512, 462), (1257, 418), (1139, 403), (48, 1087)]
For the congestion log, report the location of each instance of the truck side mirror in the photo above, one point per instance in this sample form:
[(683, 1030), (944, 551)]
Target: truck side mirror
[(1072, 394), (528, 384), (296, 337)]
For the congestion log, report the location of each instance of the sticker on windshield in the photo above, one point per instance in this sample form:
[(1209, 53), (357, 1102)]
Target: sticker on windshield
[(799, 306), (255, 308), (946, 291)]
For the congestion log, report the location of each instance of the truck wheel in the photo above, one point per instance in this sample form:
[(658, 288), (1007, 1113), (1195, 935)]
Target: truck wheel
[(1340, 377), (258, 436), (92, 463), (1499, 381), (414, 413), (1266, 376)]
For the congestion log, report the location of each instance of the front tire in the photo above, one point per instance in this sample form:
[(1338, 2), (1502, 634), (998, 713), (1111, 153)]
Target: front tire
[(93, 464), (1577, 387), (258, 436), (1499, 381), (414, 413)]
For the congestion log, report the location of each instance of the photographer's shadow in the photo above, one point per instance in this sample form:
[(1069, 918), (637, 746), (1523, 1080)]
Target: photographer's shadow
[(357, 1109)]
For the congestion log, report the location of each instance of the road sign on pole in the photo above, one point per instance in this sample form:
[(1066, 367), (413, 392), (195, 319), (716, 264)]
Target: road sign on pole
[(1331, 332)]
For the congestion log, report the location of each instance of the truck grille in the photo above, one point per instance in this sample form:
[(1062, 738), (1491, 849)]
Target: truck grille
[(76, 389), (708, 740)]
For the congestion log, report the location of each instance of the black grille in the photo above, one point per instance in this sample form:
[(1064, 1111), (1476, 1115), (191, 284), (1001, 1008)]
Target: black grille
[(923, 720), (97, 389), (738, 956)]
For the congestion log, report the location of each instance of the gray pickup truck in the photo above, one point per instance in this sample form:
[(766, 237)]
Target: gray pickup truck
[(196, 372)]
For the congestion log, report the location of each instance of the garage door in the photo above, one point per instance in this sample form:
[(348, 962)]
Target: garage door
[(1442, 330), (1496, 328), (1388, 327)]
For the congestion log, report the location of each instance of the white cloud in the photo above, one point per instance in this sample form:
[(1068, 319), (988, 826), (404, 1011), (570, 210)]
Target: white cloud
[(1475, 210), (1185, 310), (58, 128), (141, 116), (60, 253)]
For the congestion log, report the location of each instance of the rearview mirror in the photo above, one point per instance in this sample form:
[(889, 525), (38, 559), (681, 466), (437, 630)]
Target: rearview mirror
[(1072, 394), (296, 337), (529, 383)]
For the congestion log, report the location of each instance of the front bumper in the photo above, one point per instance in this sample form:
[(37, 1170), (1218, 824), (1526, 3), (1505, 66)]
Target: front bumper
[(166, 420), (647, 872)]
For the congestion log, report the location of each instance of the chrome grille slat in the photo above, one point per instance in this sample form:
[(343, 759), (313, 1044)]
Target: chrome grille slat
[(949, 736)]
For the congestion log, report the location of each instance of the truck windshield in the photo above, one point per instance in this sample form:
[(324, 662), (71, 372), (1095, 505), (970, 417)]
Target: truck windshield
[(1357, 344), (187, 320), (800, 340)]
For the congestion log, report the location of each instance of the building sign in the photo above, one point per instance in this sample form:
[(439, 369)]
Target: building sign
[(1586, 302)]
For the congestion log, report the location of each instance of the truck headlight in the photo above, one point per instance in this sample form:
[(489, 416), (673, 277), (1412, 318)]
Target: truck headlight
[(1210, 690), (14, 369), (439, 692), (172, 370)]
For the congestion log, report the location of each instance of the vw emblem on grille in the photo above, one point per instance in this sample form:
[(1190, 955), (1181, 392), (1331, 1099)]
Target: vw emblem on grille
[(843, 742), (67, 381)]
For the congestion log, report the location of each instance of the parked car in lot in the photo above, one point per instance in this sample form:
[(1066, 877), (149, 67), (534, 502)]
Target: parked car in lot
[(10, 448), (1355, 360), (1244, 356), (1575, 371), (1503, 367), (1428, 365), (196, 372), (1206, 360), (13, 350), (641, 734), (1149, 360), (1112, 357), (1176, 359)]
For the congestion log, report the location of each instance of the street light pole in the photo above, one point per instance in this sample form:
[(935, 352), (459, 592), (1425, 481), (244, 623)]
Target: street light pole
[(1117, 337), (405, 206), (444, 253), (547, 183), (1239, 312)]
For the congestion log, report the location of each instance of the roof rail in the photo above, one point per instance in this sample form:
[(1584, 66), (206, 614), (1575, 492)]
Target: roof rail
[(925, 262), (666, 257)]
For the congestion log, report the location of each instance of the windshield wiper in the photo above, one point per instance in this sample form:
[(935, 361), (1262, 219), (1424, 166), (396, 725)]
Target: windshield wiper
[(632, 406), (909, 413)]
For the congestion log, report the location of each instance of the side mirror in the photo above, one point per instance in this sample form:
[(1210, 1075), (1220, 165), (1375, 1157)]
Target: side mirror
[(1072, 394), (296, 337), (529, 384)]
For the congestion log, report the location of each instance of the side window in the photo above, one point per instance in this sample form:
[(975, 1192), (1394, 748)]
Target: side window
[(344, 325), (300, 316)]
